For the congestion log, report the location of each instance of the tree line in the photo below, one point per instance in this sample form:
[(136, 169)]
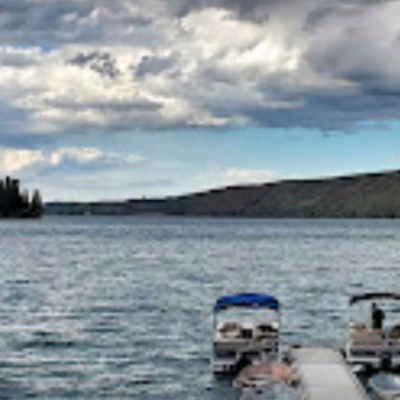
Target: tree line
[(16, 202)]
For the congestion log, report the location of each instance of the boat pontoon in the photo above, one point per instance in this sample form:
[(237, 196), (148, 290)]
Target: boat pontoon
[(374, 346), (385, 385), (270, 389), (244, 340)]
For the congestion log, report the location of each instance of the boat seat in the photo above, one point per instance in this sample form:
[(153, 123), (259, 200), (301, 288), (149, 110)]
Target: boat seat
[(367, 335), (367, 347), (264, 331), (367, 341), (267, 327), (229, 330)]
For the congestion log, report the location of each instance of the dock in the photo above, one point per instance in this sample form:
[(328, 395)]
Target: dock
[(324, 375)]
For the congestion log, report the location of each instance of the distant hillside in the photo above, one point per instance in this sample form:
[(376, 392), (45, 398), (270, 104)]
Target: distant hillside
[(374, 195)]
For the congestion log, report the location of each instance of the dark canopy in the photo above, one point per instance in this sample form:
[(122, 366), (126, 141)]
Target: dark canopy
[(374, 296), (251, 300)]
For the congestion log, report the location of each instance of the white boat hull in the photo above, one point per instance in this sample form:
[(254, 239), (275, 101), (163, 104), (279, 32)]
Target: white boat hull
[(386, 386)]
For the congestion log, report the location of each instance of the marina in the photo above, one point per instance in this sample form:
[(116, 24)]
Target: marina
[(252, 351), (195, 195)]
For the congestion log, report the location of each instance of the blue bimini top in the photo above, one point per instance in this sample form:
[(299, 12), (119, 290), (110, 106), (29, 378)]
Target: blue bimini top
[(251, 300)]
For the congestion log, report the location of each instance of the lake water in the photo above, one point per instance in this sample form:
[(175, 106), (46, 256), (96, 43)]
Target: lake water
[(120, 308)]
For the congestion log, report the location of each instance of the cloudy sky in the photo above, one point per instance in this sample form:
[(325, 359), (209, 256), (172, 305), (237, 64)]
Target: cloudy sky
[(119, 99)]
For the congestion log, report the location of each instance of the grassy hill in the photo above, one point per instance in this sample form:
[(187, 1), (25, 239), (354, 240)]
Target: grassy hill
[(374, 195)]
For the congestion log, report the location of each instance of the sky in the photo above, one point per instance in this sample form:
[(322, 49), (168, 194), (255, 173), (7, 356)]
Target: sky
[(109, 100)]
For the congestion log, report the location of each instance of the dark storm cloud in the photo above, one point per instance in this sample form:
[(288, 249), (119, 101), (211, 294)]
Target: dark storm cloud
[(106, 106), (331, 113), (42, 22), (361, 50), (53, 22), (261, 10), (257, 10)]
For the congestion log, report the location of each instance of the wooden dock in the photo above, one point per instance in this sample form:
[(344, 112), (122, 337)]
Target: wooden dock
[(324, 375)]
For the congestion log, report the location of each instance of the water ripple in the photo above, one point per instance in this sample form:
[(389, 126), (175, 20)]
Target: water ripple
[(120, 308)]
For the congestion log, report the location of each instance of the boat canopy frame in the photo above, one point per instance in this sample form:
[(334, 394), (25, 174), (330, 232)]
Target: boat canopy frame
[(371, 296)]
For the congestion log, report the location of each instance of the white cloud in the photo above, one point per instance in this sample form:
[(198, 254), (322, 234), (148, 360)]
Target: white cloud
[(13, 161), (157, 65), (80, 155), (17, 160), (187, 76), (90, 156)]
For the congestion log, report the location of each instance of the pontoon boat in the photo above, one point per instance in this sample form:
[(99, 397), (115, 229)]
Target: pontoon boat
[(244, 340), (374, 346)]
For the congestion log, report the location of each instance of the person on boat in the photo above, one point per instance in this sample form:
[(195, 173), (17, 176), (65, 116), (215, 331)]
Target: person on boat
[(378, 316)]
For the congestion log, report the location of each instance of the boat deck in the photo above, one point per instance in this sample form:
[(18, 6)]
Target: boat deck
[(324, 375), (368, 346)]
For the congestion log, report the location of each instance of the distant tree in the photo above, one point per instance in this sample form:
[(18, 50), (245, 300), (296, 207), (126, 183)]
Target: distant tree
[(15, 203), (36, 206), (25, 199)]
